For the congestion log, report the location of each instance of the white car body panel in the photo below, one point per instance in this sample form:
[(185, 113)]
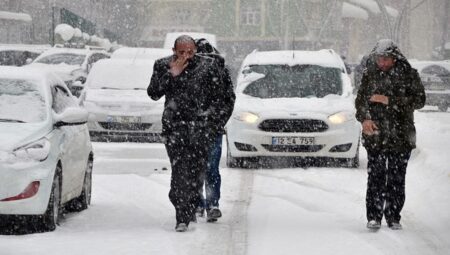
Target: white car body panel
[(69, 145)]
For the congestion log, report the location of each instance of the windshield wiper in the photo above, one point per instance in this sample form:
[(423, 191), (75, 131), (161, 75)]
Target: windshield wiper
[(139, 89), (10, 120)]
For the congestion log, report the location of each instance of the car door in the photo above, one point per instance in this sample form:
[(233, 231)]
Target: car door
[(72, 145)]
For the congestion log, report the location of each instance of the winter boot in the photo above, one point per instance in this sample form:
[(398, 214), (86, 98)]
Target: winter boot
[(181, 227), (213, 214), (395, 225), (374, 225)]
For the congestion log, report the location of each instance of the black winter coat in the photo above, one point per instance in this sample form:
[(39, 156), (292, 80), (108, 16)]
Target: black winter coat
[(194, 99), (403, 87)]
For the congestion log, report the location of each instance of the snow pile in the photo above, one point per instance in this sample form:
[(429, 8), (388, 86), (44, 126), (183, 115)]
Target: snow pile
[(15, 16), (65, 31)]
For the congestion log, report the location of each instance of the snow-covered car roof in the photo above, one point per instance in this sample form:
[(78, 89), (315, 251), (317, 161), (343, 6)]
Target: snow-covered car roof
[(37, 48), (53, 51), (420, 65), (121, 73), (171, 37), (141, 53), (326, 58)]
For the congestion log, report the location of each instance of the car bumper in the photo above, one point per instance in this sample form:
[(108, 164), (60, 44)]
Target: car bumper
[(261, 141), (102, 128), (438, 97), (14, 180)]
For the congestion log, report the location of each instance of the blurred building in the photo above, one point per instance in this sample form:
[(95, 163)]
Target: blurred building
[(114, 20)]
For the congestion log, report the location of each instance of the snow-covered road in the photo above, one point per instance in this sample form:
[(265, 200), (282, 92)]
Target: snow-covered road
[(270, 211)]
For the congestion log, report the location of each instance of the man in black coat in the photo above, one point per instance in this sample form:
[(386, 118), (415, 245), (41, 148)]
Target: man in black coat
[(390, 92), (191, 120), (210, 202)]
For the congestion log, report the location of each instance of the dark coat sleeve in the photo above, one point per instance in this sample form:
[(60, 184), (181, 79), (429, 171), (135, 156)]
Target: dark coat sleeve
[(415, 96), (228, 98), (161, 77), (361, 101)]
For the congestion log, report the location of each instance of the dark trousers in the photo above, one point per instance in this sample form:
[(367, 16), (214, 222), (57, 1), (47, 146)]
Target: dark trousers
[(188, 154), (212, 176), (386, 184)]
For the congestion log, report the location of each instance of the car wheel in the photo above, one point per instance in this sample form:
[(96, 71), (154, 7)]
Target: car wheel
[(52, 215), (443, 107), (84, 200)]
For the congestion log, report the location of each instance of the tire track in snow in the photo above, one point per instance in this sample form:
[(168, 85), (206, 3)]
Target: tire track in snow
[(230, 234)]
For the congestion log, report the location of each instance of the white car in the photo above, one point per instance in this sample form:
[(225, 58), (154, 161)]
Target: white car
[(117, 101), (293, 104), (71, 65), (435, 76), (141, 53), (45, 155)]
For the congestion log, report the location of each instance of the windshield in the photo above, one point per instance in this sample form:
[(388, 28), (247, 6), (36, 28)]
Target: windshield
[(21, 101), (66, 58), (294, 81)]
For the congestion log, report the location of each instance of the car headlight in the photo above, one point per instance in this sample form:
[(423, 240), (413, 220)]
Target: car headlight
[(247, 117), (38, 150), (340, 117)]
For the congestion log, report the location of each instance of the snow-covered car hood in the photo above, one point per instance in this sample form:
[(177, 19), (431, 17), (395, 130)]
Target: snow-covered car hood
[(62, 70), (126, 101), (289, 107), (14, 135)]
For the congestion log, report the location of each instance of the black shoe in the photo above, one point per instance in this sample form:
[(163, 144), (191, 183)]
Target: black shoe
[(213, 214), (374, 225), (395, 225), (181, 227)]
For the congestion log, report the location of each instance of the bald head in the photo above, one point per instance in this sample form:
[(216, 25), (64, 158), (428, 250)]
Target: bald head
[(185, 39)]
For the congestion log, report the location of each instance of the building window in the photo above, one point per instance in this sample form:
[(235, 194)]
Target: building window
[(183, 16), (250, 16)]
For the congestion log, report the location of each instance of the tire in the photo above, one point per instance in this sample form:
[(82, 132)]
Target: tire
[(443, 107), (83, 201), (50, 218)]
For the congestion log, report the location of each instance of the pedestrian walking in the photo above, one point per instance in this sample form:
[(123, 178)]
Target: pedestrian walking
[(390, 92), (192, 86), (210, 200)]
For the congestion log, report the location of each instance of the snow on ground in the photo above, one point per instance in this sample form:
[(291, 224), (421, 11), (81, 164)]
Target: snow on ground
[(270, 211)]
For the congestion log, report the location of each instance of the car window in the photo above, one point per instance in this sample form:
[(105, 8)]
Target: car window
[(60, 58), (61, 99), (21, 101), (15, 57), (280, 81), (96, 57)]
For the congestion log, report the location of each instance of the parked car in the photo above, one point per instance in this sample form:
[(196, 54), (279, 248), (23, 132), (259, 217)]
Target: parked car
[(118, 104), (20, 54), (46, 156), (435, 76), (72, 65), (141, 53), (171, 37), (293, 104)]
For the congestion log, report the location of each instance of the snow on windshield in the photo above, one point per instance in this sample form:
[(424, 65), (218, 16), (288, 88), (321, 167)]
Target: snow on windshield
[(294, 81), (116, 74), (21, 101), (66, 58)]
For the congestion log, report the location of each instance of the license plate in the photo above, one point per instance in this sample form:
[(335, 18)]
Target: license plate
[(293, 141), (127, 119)]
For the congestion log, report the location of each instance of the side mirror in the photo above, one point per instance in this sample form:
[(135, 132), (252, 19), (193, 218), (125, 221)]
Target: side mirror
[(28, 61), (81, 80), (71, 116)]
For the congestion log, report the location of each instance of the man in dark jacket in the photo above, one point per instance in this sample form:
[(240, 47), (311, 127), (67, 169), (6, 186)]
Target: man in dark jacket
[(390, 92), (191, 120), (210, 202)]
